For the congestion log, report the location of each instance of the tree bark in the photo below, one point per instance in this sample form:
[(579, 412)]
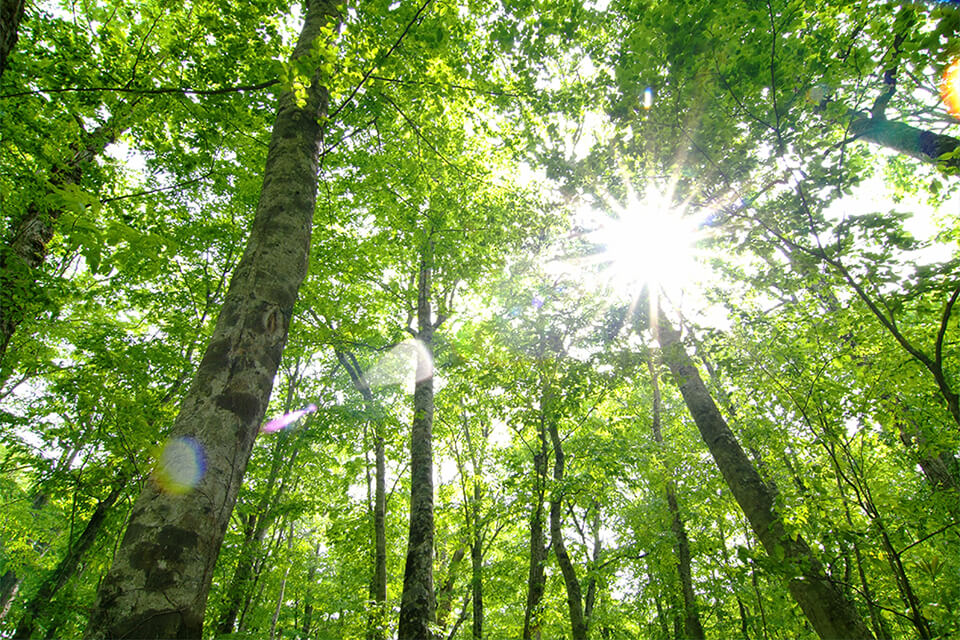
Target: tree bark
[(536, 580), (160, 578), (11, 13), (691, 614), (25, 250), (476, 587), (903, 138), (418, 600), (578, 624), (9, 586), (829, 612), (40, 603), (378, 583)]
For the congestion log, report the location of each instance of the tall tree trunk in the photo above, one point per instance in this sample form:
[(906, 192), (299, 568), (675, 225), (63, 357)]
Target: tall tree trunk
[(159, 581), (536, 580), (9, 586), (574, 594), (829, 612), (476, 586), (418, 600), (691, 614), (445, 593), (257, 524), (308, 600), (11, 13), (283, 588), (378, 582), (903, 138), (40, 603), (25, 250)]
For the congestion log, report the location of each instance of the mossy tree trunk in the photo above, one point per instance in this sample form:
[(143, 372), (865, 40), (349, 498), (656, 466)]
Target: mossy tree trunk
[(830, 613), (418, 605), (160, 578)]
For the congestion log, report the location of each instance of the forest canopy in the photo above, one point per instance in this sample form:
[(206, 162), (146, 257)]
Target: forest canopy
[(428, 320)]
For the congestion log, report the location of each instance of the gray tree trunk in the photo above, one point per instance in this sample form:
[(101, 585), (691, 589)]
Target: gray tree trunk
[(11, 13), (378, 583), (160, 578), (829, 612), (38, 606), (903, 138), (25, 250), (418, 600), (574, 593), (691, 614), (536, 580)]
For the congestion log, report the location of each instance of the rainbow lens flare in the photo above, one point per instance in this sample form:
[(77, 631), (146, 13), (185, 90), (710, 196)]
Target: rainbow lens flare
[(180, 465), (647, 98), (950, 88), (287, 419)]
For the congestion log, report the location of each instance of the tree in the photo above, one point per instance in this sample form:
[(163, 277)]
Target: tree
[(147, 590), (829, 611)]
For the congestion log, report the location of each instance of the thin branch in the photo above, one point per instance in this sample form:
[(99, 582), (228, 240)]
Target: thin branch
[(156, 91), (148, 192), (944, 321), (373, 67), (927, 537), (461, 87)]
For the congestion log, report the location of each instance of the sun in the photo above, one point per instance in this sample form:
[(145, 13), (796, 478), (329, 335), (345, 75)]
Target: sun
[(646, 241)]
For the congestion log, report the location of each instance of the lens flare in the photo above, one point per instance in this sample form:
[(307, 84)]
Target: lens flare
[(950, 88), (180, 465), (406, 364), (647, 98), (287, 419)]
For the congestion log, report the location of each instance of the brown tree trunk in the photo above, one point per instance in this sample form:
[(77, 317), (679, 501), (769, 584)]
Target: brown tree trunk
[(829, 612), (536, 580), (418, 600), (378, 583), (691, 614), (160, 578), (40, 603), (574, 594), (476, 587), (11, 13), (25, 250)]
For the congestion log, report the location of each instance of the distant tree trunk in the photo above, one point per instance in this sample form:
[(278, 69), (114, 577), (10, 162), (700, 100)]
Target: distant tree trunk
[(25, 249), (9, 586), (308, 602), (590, 599), (159, 581), (691, 614), (40, 603), (536, 581), (258, 523), (378, 583), (445, 593), (417, 602), (574, 594), (476, 584), (876, 617), (241, 576), (11, 13), (830, 613), (283, 588)]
